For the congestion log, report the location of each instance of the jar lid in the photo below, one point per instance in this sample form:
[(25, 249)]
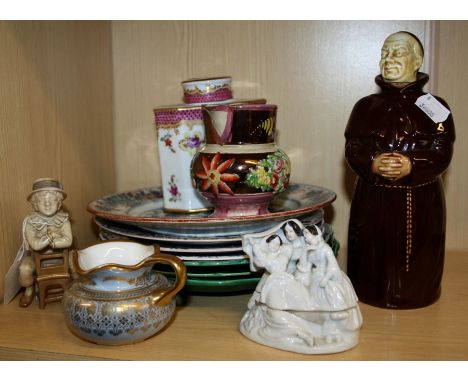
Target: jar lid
[(208, 89)]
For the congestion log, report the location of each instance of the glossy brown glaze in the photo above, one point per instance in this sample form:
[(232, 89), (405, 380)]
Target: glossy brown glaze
[(245, 124), (241, 173), (397, 228)]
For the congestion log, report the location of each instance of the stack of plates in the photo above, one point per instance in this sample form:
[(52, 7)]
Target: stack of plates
[(211, 248)]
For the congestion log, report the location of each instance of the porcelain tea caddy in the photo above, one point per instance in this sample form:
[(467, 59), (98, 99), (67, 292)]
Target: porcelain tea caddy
[(117, 298), (240, 168), (180, 134)]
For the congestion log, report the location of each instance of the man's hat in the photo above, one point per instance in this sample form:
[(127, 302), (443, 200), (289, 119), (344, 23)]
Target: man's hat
[(46, 184)]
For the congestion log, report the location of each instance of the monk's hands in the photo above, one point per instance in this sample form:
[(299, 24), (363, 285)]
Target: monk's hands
[(391, 166)]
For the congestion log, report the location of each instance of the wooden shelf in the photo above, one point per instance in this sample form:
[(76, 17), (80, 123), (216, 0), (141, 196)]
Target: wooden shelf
[(207, 329)]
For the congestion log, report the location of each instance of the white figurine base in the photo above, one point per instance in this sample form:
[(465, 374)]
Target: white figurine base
[(300, 332)]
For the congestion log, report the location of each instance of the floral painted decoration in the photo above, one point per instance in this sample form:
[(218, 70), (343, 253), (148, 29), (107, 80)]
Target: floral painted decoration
[(214, 175), (167, 140), (271, 173), (174, 190), (191, 143)]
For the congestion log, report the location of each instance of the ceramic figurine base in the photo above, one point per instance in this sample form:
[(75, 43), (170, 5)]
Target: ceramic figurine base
[(304, 303), (300, 332)]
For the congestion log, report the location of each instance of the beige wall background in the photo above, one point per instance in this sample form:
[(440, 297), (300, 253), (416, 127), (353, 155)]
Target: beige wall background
[(452, 75), (315, 71), (55, 121)]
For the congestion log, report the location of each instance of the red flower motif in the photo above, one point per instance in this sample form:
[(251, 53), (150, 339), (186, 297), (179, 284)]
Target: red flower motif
[(174, 190), (214, 176), (274, 180), (168, 142)]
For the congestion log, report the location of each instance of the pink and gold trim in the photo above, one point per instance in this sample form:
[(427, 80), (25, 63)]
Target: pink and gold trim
[(171, 117), (199, 96), (202, 90)]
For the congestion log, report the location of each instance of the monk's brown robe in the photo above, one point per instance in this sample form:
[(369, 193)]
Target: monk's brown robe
[(397, 229)]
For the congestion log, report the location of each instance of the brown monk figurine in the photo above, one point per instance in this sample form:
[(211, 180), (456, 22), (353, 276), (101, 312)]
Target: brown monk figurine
[(398, 151)]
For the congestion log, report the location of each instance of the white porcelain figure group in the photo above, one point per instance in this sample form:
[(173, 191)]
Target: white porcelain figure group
[(304, 303)]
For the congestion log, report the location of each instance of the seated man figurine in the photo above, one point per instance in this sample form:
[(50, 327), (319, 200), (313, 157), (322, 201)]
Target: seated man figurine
[(309, 307), (47, 230)]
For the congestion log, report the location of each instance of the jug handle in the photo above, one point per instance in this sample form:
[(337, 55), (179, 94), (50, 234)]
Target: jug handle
[(226, 136), (73, 263), (164, 295)]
